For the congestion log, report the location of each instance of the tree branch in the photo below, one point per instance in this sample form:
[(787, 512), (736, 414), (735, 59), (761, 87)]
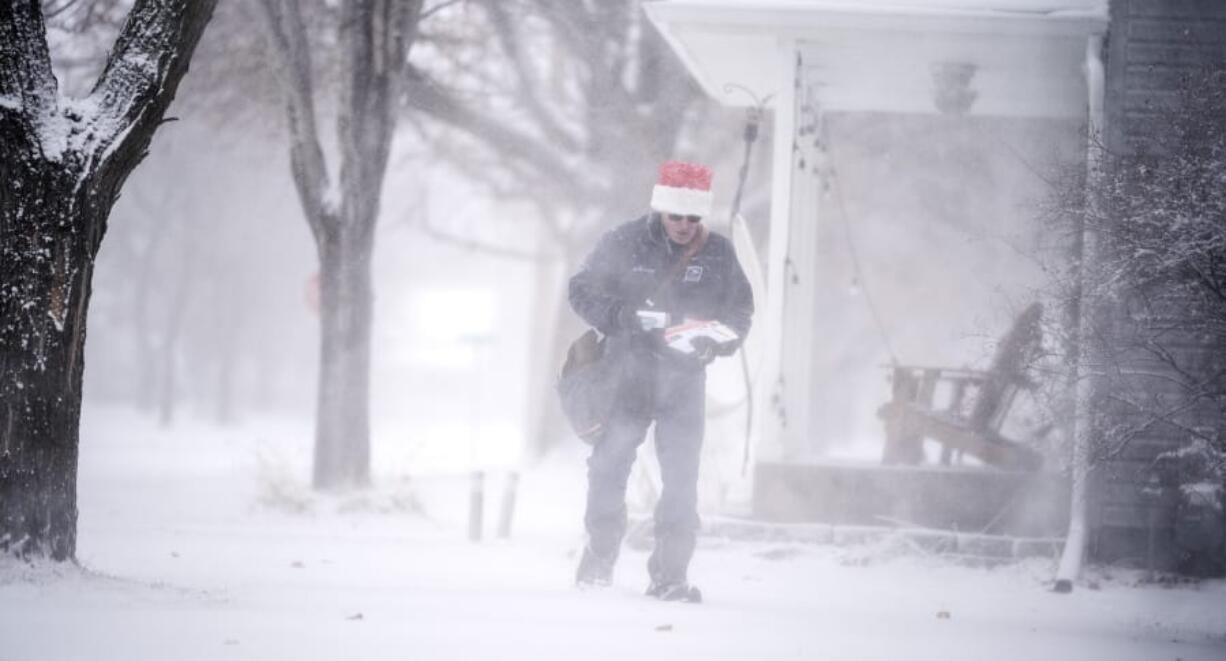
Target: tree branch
[(27, 85), (528, 91), (473, 245), (376, 36), (142, 74), (287, 32), (426, 96), (427, 13)]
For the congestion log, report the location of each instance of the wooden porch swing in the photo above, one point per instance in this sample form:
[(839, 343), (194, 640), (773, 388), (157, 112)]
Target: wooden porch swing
[(970, 422)]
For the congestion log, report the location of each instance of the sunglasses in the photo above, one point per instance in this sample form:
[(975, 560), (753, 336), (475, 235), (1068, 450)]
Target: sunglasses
[(678, 218)]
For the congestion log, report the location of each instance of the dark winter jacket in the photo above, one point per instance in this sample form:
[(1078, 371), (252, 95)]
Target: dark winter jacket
[(625, 269)]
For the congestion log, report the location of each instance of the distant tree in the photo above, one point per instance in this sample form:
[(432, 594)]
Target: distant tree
[(373, 39), (578, 105), (196, 324), (63, 162)]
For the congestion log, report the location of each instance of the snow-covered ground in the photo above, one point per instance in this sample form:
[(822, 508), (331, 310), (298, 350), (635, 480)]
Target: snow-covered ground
[(202, 543)]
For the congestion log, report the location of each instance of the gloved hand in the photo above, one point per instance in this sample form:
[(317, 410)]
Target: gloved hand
[(728, 348), (628, 319), (640, 321), (705, 350)]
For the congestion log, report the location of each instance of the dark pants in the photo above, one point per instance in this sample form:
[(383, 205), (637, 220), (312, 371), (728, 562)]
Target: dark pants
[(672, 397)]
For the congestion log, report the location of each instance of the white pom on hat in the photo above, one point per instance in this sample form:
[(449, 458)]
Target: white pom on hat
[(683, 189)]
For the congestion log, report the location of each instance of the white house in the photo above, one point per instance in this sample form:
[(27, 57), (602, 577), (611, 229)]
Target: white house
[(817, 58), (979, 64)]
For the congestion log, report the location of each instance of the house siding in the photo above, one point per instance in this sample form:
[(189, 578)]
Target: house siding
[(1152, 45)]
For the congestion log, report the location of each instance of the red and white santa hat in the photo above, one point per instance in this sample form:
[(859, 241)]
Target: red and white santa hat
[(683, 189)]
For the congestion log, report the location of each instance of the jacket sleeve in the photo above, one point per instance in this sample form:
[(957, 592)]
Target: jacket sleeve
[(592, 292), (737, 305)]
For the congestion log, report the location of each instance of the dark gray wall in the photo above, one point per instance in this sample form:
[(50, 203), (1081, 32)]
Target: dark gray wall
[(1152, 45)]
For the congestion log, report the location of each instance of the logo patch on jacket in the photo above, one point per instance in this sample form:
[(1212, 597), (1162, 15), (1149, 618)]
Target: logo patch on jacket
[(692, 274)]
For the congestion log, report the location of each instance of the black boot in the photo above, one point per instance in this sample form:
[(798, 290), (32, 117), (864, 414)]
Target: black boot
[(594, 570), (667, 568), (675, 592)]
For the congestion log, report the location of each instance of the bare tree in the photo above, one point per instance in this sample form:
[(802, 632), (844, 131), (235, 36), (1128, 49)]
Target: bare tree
[(374, 38), (160, 221), (64, 163), (578, 108)]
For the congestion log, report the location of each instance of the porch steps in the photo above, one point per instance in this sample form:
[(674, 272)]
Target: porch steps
[(973, 548)]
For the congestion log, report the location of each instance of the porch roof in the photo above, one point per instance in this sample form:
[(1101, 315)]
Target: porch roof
[(1023, 57)]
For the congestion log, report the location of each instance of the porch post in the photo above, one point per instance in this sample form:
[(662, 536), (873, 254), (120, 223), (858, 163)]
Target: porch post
[(770, 422), (1075, 542), (809, 169)]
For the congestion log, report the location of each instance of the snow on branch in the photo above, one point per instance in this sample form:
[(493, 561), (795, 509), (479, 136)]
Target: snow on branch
[(292, 60), (27, 84), (141, 76), (148, 60)]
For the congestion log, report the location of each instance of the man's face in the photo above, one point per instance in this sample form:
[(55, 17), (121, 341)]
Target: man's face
[(681, 229)]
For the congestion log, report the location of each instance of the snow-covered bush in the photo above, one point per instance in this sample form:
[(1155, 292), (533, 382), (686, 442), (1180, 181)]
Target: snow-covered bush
[(1154, 278), (1195, 475)]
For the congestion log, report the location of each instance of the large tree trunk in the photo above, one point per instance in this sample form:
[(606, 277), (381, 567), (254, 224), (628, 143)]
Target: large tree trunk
[(62, 166), (167, 356), (49, 236), (374, 38), (226, 360), (342, 412), (550, 337)]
